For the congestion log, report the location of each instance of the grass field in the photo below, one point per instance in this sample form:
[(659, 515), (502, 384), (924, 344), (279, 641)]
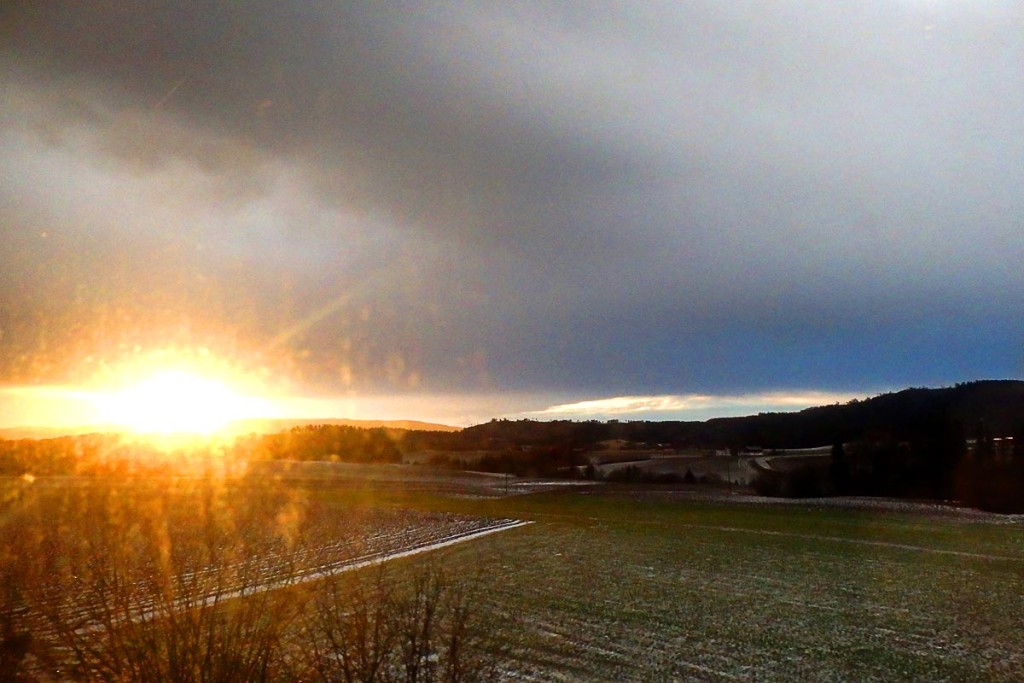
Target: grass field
[(630, 586), (644, 584)]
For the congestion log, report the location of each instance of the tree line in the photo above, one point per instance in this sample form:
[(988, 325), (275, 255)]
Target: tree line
[(944, 463), (117, 454), (917, 442)]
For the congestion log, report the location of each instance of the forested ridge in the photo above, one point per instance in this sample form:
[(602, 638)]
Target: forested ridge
[(902, 415), (963, 442)]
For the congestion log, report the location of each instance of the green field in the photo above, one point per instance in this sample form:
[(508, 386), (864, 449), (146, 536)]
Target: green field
[(615, 586), (612, 583)]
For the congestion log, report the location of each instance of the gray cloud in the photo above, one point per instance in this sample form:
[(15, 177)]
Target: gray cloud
[(671, 197)]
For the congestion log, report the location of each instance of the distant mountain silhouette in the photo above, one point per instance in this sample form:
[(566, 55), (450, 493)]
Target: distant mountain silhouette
[(902, 415), (275, 425), (247, 426), (30, 432), (964, 442), (999, 404), (961, 443)]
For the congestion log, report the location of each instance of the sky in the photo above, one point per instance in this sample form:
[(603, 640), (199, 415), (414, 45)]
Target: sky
[(457, 211)]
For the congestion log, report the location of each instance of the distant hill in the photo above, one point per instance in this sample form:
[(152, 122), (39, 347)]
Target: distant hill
[(999, 404), (275, 425), (902, 415), (248, 426), (906, 414), (963, 443), (15, 433)]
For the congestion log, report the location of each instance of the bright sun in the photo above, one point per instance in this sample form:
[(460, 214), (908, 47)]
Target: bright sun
[(178, 401)]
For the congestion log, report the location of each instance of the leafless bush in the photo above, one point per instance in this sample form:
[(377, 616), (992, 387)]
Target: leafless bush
[(192, 581), (384, 627), (144, 583)]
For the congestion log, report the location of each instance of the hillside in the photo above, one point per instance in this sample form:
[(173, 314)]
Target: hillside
[(274, 425), (903, 415)]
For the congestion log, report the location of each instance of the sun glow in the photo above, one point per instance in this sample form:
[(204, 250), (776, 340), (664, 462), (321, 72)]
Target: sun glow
[(173, 401)]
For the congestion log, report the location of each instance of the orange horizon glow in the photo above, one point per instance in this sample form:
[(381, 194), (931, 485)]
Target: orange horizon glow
[(194, 393), (177, 391), (160, 393), (175, 401)]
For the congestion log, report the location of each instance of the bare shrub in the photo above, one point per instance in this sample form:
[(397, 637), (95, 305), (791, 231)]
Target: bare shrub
[(379, 627), (193, 580), (146, 582)]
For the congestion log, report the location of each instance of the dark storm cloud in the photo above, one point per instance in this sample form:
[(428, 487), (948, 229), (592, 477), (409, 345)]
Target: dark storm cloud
[(544, 195)]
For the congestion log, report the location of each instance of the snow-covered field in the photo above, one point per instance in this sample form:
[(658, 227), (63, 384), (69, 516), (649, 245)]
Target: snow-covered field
[(606, 583), (409, 478), (607, 589), (97, 554)]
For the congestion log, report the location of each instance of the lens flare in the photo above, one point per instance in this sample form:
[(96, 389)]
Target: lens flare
[(177, 401)]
